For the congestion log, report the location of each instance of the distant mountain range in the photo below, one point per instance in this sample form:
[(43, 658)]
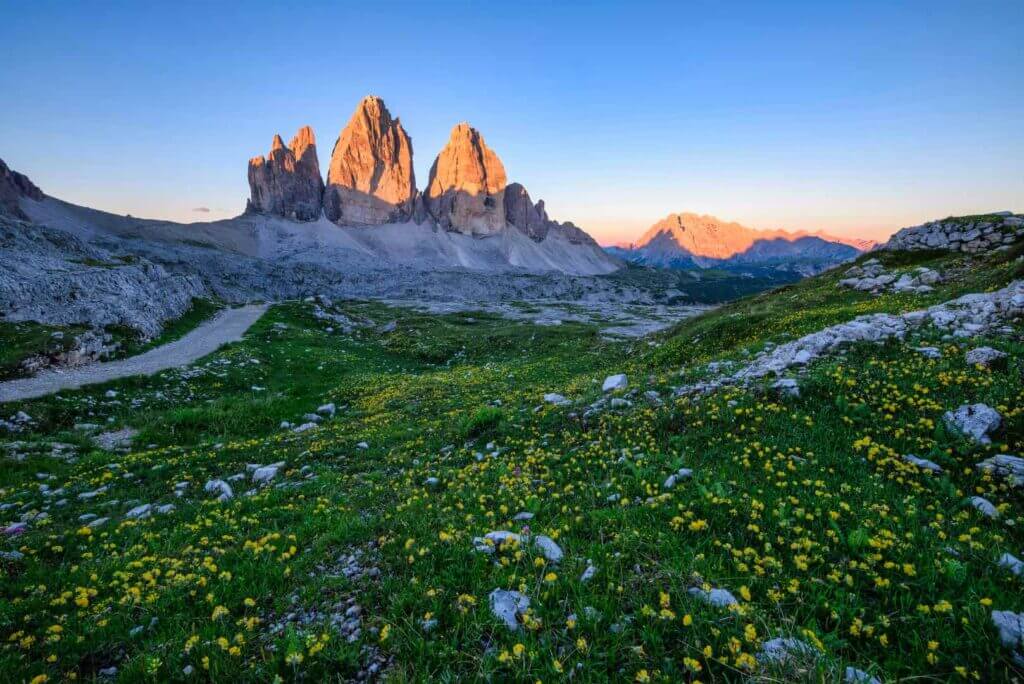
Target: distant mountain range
[(691, 241)]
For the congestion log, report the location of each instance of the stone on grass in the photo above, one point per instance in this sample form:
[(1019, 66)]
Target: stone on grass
[(140, 512), (1010, 626), (1011, 467), (16, 528), (548, 548), (491, 541), (984, 506), (975, 421), (615, 382), (922, 463), (556, 399), (11, 555), (1012, 563), (854, 676), (719, 598), (326, 409), (264, 474), (786, 387), (589, 573), (221, 488), (523, 516), (304, 427), (508, 606), (681, 474), (928, 353), (985, 356), (781, 649)]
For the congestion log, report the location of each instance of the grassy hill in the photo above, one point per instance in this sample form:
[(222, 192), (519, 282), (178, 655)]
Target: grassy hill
[(359, 561)]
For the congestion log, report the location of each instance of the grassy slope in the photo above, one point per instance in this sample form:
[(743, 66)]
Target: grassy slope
[(19, 341), (800, 508)]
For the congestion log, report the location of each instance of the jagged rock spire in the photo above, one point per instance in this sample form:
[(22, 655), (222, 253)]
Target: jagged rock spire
[(371, 180), (287, 181)]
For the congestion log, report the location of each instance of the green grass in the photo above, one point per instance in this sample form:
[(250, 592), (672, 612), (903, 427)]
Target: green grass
[(23, 340), (801, 508), (20, 341)]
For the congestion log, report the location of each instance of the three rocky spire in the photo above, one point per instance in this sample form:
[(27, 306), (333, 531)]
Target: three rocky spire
[(370, 181)]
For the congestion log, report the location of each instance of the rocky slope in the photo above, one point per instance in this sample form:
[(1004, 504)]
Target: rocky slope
[(694, 241), (287, 181), (370, 180), (973, 234)]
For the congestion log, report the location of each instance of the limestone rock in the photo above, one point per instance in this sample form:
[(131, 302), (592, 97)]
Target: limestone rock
[(532, 219), (971, 234), (370, 180), (14, 186), (466, 191), (975, 421), (521, 212), (287, 181)]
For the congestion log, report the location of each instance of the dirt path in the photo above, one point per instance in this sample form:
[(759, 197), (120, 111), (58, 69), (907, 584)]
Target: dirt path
[(227, 326)]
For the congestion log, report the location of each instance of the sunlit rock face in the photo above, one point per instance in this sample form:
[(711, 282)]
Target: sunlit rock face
[(287, 181), (467, 185), (370, 180)]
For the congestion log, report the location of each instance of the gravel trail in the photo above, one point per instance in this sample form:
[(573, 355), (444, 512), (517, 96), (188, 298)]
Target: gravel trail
[(227, 326)]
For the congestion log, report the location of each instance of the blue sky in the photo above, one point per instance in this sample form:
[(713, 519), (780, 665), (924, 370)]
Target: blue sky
[(856, 118)]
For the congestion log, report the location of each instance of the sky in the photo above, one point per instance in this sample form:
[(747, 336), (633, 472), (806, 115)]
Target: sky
[(853, 118)]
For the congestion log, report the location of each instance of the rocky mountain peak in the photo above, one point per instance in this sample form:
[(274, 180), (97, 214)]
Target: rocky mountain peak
[(14, 186), (467, 185), (287, 181), (370, 180)]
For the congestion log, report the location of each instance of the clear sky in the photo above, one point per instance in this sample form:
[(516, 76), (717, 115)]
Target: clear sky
[(856, 118)]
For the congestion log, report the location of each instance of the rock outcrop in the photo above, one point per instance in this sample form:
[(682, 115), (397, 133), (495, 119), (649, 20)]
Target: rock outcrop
[(466, 192), (370, 180), (287, 181), (971, 234), (522, 213), (14, 186)]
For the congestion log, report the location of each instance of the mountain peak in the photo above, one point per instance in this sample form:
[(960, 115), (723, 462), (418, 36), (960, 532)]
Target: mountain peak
[(689, 239), (371, 180), (466, 189)]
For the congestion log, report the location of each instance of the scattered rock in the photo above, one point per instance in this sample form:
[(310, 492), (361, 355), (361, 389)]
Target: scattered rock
[(556, 399), (221, 488), (781, 650), (550, 550), (854, 676), (922, 463), (786, 387), (140, 512), (986, 356), (509, 607), (984, 506), (264, 474), (975, 421), (1010, 467), (1012, 563), (615, 383), (719, 598), (1010, 626)]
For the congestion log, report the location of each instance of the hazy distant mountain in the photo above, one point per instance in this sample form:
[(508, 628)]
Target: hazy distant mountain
[(690, 241)]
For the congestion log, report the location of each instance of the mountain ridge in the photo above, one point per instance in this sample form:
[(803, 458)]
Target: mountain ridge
[(690, 240)]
